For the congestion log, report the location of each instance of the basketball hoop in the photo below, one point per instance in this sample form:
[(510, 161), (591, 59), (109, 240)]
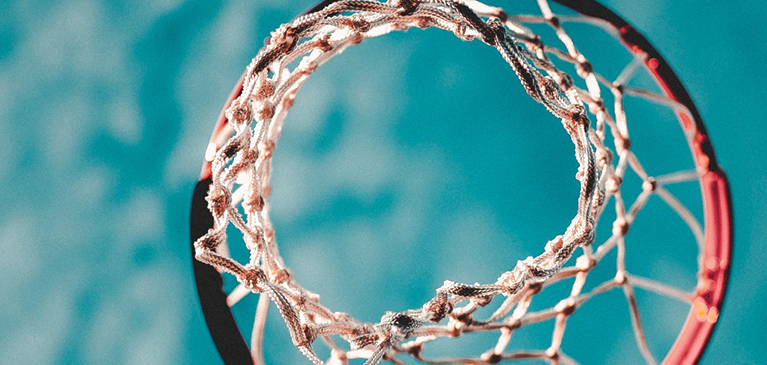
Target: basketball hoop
[(234, 189)]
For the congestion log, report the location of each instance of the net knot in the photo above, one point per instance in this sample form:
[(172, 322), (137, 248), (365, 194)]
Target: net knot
[(621, 227), (254, 202), (323, 43), (357, 23), (239, 113), (266, 148), (264, 110), (253, 278), (620, 277), (650, 184), (482, 300), (583, 67), (423, 22), (597, 106), (282, 276), (554, 21), (555, 244), (219, 199), (513, 280), (552, 354), (613, 184), (566, 306), (283, 36), (622, 144), (585, 263), (575, 115), (264, 89), (455, 328), (604, 157)]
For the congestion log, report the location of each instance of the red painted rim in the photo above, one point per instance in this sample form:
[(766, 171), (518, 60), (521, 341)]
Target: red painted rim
[(707, 305)]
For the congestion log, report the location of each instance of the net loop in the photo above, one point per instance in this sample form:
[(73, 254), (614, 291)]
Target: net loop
[(259, 95), (241, 170)]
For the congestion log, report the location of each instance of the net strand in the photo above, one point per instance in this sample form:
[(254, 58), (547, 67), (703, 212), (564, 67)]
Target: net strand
[(259, 324), (269, 90)]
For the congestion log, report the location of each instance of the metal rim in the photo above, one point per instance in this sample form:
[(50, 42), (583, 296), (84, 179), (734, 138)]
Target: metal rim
[(707, 305)]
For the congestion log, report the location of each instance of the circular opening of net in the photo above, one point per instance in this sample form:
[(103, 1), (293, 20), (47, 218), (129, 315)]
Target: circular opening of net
[(239, 166)]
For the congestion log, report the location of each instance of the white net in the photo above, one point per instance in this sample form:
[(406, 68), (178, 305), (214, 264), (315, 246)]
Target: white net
[(241, 170)]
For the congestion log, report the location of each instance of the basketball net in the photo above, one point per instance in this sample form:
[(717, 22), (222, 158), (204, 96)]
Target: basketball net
[(239, 165)]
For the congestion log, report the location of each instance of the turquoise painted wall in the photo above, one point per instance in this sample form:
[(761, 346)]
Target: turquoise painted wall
[(384, 175)]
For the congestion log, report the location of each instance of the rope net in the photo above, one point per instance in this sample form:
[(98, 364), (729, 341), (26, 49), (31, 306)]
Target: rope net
[(241, 165)]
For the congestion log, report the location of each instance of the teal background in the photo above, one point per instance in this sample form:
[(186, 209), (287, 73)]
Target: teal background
[(106, 109)]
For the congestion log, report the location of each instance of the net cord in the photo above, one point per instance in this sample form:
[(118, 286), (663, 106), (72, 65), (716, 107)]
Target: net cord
[(386, 335)]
